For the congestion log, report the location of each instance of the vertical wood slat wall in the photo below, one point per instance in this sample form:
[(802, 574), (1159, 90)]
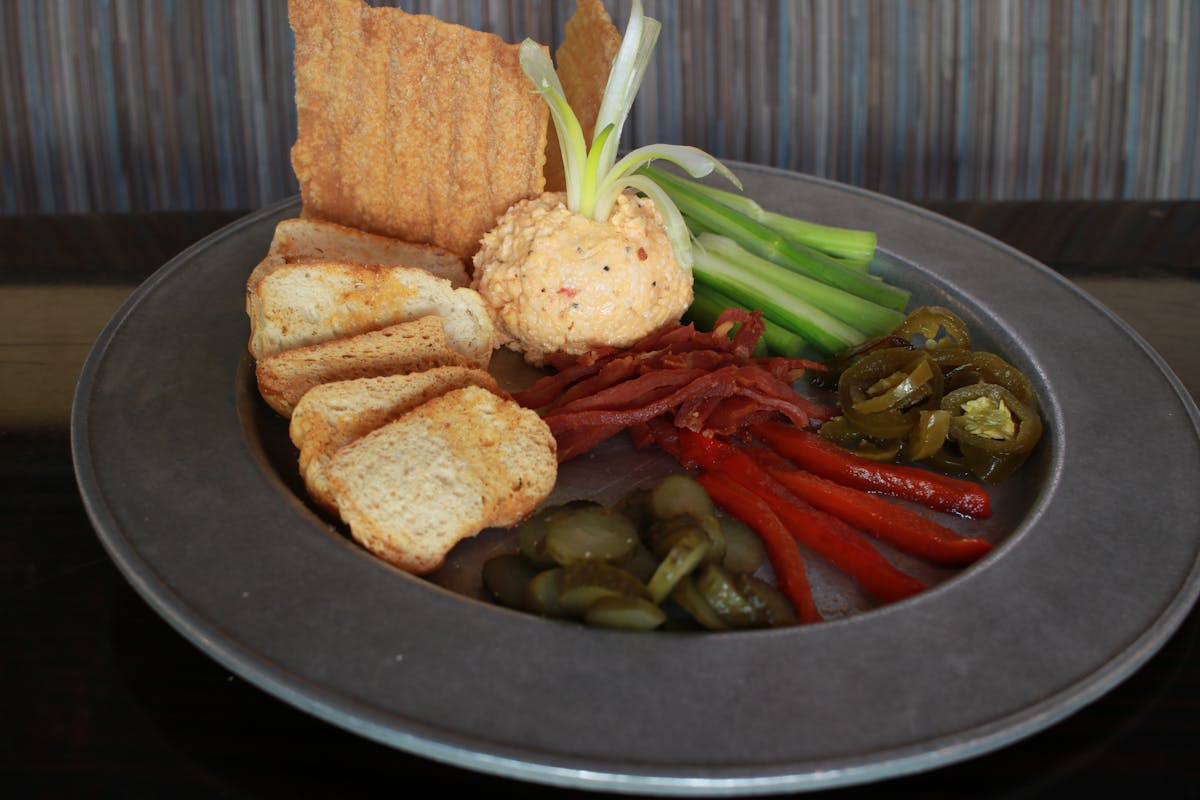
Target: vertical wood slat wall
[(114, 105)]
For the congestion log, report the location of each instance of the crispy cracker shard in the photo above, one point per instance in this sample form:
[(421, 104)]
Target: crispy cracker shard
[(409, 126)]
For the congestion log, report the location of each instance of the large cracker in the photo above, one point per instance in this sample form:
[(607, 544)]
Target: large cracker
[(583, 62), (411, 127)]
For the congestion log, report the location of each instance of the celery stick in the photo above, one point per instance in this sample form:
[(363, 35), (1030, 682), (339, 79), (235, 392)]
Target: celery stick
[(864, 315), (849, 246), (778, 302), (776, 339), (766, 243)]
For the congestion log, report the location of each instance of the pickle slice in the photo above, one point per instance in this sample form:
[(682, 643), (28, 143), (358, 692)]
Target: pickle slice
[(688, 597), (531, 535), (719, 587), (507, 577), (664, 534), (772, 607), (687, 554), (590, 533), (744, 549), (585, 582), (679, 494), (626, 613), (541, 593)]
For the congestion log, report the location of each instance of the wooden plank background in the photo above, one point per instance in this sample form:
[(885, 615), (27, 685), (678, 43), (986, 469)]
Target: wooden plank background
[(119, 105)]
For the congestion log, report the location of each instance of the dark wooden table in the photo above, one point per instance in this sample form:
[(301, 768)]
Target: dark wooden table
[(100, 697)]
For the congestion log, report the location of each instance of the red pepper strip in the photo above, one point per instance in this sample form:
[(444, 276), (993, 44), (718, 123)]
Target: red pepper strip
[(826, 535), (822, 457), (781, 547), (908, 531)]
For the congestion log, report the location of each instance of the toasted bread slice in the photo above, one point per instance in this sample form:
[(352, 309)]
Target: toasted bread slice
[(406, 347), (459, 463), (332, 415), (306, 303), (303, 239)]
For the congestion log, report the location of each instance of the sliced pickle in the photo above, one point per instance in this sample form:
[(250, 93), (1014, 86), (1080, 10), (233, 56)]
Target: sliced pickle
[(679, 494), (744, 549), (719, 587), (591, 533), (716, 536), (684, 556), (636, 506), (643, 564), (664, 534), (507, 578), (585, 582), (688, 597), (626, 613), (531, 534), (542, 591), (772, 607)]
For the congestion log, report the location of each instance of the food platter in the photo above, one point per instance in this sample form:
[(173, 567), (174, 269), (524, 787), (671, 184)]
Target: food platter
[(1098, 560)]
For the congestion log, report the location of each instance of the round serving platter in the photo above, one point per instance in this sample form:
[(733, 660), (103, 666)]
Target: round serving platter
[(1098, 546)]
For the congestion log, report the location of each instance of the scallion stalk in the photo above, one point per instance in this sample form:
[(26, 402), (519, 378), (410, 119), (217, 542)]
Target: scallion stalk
[(766, 243), (849, 246), (871, 318), (770, 293)]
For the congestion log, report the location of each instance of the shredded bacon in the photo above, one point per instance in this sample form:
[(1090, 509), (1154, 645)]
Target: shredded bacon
[(675, 378)]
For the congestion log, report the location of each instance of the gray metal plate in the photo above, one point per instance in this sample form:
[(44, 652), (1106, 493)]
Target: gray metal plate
[(180, 469)]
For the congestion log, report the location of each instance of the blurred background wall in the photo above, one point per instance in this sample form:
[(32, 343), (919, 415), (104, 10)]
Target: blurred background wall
[(114, 105)]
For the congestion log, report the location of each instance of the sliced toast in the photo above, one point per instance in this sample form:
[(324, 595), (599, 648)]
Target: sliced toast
[(306, 303), (305, 239), (332, 415), (457, 464), (284, 378)]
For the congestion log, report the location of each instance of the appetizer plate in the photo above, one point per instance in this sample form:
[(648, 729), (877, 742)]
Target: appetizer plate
[(192, 489)]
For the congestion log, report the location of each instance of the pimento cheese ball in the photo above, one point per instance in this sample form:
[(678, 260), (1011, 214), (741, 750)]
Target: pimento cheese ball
[(557, 282)]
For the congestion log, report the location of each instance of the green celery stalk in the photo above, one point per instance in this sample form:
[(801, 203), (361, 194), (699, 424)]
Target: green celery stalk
[(850, 246), (871, 318), (776, 339), (772, 246), (778, 302)]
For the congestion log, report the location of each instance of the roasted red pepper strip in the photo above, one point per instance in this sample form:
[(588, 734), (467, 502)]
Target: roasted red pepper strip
[(908, 531), (781, 547), (826, 535), (809, 451)]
